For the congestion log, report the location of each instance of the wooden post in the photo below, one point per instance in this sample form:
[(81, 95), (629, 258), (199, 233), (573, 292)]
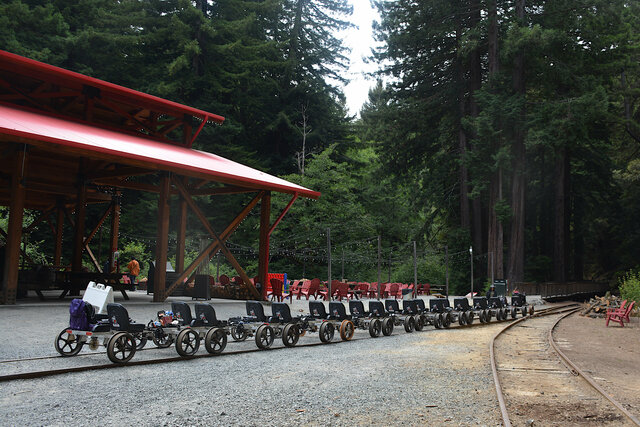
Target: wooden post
[(446, 263), (329, 264), (80, 217), (182, 233), (415, 269), (162, 242), (57, 257), (115, 231), (14, 231), (379, 277), (263, 253)]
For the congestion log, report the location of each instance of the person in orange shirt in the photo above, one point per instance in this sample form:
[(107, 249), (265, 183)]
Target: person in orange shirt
[(134, 270)]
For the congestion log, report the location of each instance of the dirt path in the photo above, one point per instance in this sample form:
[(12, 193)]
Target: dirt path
[(609, 354)]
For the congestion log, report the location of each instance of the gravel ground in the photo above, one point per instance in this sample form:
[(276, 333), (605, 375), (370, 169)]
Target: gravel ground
[(436, 377)]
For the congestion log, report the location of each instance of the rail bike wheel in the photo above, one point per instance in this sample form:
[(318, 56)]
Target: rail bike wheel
[(514, 312), (121, 347), (462, 319), (141, 341), (187, 342), (470, 317), (505, 314), (347, 329), (524, 311), (326, 332), (68, 344), (163, 341), (375, 327), (446, 320), (215, 340), (265, 336), (290, 334), (418, 322), (239, 333), (387, 326), (409, 324), (437, 320), (531, 311)]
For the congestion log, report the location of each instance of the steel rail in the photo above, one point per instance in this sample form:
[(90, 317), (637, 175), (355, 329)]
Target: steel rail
[(585, 376), (494, 369)]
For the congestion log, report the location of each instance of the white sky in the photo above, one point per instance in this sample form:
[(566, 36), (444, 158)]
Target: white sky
[(360, 41)]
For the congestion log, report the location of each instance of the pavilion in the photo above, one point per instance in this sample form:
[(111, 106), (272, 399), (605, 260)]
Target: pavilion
[(68, 140)]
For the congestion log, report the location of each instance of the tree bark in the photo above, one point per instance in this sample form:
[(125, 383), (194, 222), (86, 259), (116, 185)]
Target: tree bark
[(465, 217), (495, 235), (560, 236), (518, 184)]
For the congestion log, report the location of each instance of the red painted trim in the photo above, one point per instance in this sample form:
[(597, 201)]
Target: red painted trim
[(119, 146), (19, 64)]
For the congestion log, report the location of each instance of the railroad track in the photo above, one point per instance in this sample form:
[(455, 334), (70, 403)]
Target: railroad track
[(535, 381)]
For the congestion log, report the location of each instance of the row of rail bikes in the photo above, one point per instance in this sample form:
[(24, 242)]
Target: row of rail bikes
[(121, 336)]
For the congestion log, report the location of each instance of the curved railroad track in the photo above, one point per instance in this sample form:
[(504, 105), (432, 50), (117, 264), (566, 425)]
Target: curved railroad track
[(536, 382)]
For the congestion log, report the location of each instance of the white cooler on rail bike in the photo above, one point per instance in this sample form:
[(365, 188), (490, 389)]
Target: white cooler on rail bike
[(98, 295)]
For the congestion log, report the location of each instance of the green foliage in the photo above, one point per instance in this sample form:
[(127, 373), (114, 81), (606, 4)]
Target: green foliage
[(629, 286)]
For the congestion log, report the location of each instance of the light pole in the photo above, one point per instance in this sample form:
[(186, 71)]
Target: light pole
[(471, 258)]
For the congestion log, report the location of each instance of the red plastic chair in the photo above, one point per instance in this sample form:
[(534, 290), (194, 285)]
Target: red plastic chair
[(394, 290), (373, 290), (619, 315), (312, 290), (224, 279), (276, 290), (340, 290)]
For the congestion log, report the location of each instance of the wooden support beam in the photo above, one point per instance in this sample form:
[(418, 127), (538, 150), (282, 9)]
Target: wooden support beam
[(211, 250), (162, 241), (115, 231), (57, 256), (43, 216), (182, 233), (14, 230), (98, 225), (78, 231), (263, 250), (203, 219)]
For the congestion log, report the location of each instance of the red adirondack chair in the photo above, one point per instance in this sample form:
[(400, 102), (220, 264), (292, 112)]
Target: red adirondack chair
[(361, 290), (394, 291), (224, 279), (619, 315), (277, 290), (312, 290), (373, 290), (341, 290), (293, 289)]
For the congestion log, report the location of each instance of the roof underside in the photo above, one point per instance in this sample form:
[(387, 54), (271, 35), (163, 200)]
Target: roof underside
[(56, 140)]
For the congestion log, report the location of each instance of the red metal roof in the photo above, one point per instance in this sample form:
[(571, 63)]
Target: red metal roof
[(123, 148), (29, 67)]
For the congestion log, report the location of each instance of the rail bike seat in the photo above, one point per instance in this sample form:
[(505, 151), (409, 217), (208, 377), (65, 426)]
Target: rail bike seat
[(317, 310), (254, 309), (205, 315), (495, 302), (518, 300), (376, 309), (280, 312), (392, 306), (337, 311), (480, 303), (419, 305), (119, 319), (410, 307), (461, 304), (356, 309), (182, 313), (438, 305)]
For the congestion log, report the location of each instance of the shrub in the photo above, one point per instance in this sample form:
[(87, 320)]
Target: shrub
[(630, 286)]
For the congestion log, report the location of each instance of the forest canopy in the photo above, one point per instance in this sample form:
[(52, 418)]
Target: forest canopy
[(511, 127)]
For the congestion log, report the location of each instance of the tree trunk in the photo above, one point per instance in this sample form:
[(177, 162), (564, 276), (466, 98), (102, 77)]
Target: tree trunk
[(518, 184), (475, 85), (560, 213), (465, 221), (495, 240)]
